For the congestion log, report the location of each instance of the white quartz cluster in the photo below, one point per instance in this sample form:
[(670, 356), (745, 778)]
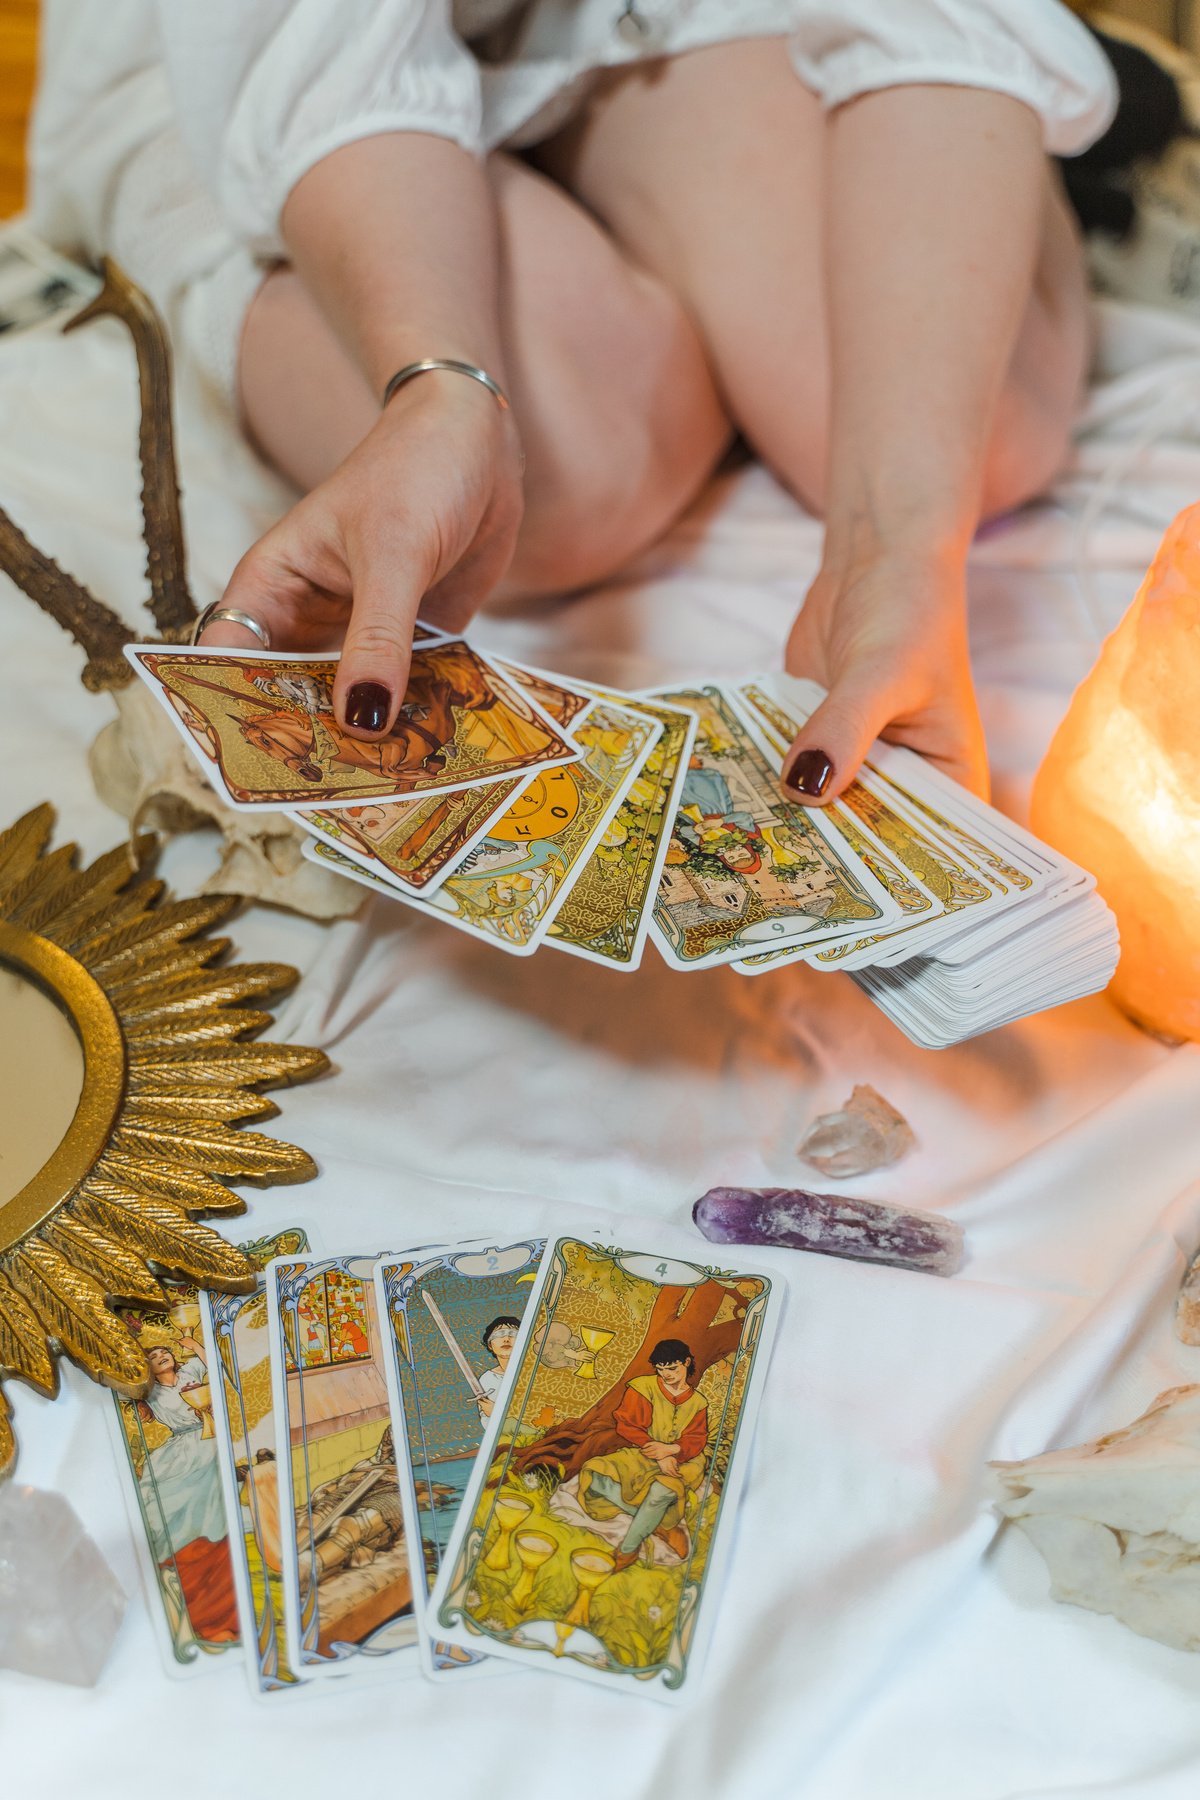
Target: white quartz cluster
[(60, 1603)]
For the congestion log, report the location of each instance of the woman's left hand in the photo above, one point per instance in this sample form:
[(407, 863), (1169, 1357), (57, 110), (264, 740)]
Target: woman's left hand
[(888, 638)]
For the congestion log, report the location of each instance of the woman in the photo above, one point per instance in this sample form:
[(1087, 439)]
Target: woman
[(831, 227), (180, 1488)]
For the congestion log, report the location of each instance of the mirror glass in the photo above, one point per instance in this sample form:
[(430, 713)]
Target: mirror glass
[(41, 1079)]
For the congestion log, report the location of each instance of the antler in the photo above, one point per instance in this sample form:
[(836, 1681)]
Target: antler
[(170, 600), (93, 625)]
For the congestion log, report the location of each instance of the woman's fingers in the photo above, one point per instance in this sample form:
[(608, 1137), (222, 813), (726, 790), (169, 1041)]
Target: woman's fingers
[(387, 587), (890, 645), (826, 756)]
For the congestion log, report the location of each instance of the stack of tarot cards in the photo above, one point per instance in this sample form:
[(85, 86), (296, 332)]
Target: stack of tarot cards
[(446, 1460), (531, 810)]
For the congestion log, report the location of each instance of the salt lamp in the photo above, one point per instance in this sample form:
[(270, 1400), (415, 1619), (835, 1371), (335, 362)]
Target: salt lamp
[(1119, 791)]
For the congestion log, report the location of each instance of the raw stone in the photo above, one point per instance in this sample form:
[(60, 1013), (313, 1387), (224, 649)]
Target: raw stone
[(1118, 1520), (60, 1603), (832, 1225), (866, 1133), (1187, 1307)]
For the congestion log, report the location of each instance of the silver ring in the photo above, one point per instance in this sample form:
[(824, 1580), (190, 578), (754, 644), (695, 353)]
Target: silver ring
[(231, 615)]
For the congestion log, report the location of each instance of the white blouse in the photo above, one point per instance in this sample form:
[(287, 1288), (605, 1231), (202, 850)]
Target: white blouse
[(263, 89)]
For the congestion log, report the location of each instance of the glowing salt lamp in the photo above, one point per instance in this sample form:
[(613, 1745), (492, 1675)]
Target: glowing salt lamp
[(1119, 791)]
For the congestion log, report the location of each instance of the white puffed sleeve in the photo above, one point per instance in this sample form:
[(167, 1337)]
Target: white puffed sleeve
[(263, 89), (1035, 50)]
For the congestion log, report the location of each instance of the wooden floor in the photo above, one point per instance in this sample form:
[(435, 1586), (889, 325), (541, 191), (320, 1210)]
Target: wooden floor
[(18, 59)]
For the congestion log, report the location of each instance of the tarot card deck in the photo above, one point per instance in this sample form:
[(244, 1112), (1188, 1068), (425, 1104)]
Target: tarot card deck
[(529, 810)]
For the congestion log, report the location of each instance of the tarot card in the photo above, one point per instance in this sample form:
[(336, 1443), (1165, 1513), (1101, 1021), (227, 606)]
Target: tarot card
[(746, 869), (451, 1320), (327, 856), (413, 844), (348, 1576), (248, 1453), (597, 1517), (416, 843), (166, 1446), (864, 816), (977, 833), (35, 282), (263, 729), (606, 915), (560, 699), (508, 890)]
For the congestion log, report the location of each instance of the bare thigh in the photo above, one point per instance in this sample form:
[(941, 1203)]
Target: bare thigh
[(619, 418), (709, 169)]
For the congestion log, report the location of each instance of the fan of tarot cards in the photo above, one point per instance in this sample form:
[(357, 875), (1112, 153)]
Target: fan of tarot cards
[(446, 1460), (531, 810)]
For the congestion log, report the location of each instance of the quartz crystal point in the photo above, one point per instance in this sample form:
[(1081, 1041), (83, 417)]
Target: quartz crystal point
[(1118, 1520), (60, 1603), (866, 1133), (832, 1225)]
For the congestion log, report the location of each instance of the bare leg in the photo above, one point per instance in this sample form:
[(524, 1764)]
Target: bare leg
[(709, 170), (618, 415)]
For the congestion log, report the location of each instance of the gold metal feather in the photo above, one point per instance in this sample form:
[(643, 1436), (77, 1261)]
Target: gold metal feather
[(72, 1308), (171, 1072), (191, 1190), (8, 1444), (23, 1347), (121, 1274), (171, 1240)]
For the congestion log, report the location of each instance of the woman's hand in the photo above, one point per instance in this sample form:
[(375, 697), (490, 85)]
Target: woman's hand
[(422, 515), (888, 638)]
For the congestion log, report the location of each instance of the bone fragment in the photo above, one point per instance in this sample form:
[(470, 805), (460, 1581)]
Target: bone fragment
[(143, 770), (1117, 1520)]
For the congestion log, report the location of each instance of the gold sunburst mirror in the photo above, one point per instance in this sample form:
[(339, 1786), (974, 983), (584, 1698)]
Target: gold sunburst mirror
[(128, 1064)]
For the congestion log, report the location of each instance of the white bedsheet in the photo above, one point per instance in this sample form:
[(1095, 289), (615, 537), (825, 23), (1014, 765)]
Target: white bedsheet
[(874, 1639)]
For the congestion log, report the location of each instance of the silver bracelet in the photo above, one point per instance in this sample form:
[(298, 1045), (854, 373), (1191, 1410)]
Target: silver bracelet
[(411, 370)]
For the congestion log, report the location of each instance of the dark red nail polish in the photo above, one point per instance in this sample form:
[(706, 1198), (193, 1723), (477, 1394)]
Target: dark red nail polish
[(367, 706), (809, 773)]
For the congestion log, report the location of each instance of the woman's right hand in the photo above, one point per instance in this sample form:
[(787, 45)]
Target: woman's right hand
[(423, 515)]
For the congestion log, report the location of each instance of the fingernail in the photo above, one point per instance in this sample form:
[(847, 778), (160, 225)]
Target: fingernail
[(367, 706), (810, 772)]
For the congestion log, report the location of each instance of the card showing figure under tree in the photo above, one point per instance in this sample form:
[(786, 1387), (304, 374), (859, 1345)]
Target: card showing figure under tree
[(264, 730), (346, 1569), (594, 1525), (452, 1319)]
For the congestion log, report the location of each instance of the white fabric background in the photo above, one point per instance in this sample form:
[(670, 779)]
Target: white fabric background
[(874, 1640)]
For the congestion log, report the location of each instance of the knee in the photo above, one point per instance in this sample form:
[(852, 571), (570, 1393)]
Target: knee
[(1031, 439), (648, 433)]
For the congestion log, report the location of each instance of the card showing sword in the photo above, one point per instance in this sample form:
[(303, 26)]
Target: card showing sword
[(452, 1344)]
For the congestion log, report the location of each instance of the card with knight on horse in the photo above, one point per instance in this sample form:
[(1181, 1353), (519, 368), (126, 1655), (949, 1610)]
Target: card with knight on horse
[(263, 727), (415, 844)]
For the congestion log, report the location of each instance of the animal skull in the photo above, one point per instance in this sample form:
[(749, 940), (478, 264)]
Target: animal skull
[(144, 771)]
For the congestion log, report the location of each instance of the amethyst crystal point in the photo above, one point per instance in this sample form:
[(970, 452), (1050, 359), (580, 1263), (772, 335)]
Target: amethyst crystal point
[(60, 1603), (832, 1225)]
